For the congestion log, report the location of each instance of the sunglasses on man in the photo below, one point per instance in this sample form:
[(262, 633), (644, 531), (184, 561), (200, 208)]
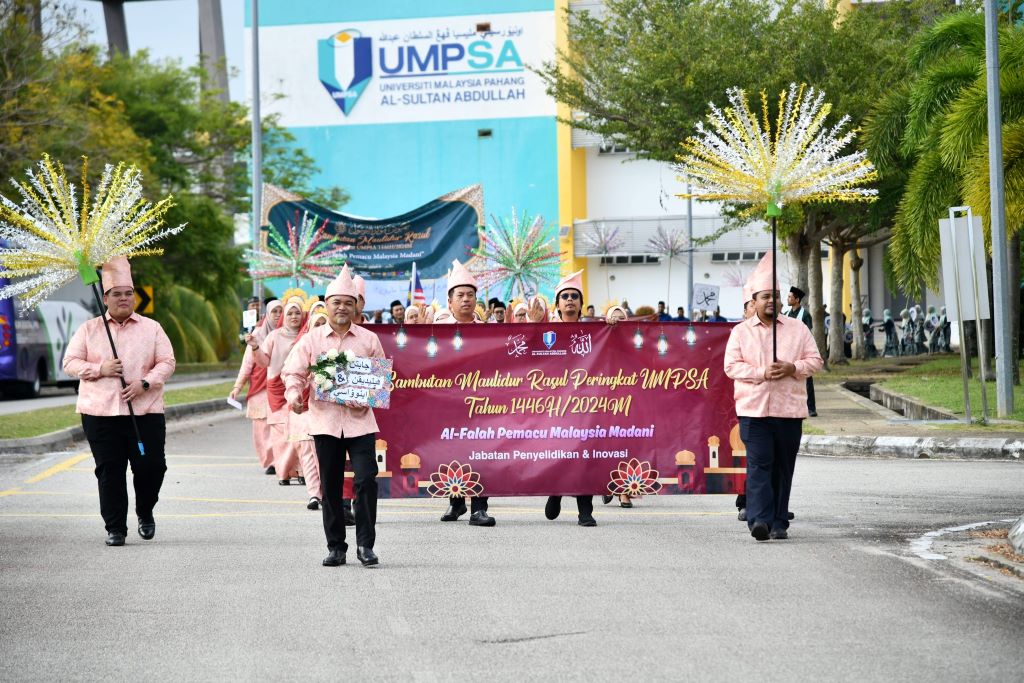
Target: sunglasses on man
[(569, 296)]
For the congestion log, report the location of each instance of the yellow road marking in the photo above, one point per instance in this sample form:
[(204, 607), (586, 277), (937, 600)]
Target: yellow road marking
[(10, 492), (59, 467), (258, 513)]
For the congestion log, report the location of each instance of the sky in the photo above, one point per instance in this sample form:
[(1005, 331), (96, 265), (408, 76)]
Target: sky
[(169, 29)]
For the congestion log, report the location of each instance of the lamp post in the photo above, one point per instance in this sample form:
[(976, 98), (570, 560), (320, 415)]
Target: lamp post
[(1000, 262), (257, 144)]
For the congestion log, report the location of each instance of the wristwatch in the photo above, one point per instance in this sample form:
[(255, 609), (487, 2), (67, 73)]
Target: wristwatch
[(145, 385)]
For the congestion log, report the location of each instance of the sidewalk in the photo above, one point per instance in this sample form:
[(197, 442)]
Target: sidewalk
[(850, 425)]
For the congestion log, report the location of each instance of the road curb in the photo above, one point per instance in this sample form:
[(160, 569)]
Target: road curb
[(908, 407), (65, 439), (913, 447)]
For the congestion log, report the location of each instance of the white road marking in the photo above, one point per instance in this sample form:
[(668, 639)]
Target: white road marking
[(922, 545)]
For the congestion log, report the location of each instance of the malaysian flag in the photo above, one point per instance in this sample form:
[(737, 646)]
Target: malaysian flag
[(416, 295)]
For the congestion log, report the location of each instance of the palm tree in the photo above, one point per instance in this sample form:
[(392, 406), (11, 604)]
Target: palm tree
[(935, 127)]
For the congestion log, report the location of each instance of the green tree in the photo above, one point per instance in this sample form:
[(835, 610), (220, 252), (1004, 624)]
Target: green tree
[(935, 125), (643, 71)]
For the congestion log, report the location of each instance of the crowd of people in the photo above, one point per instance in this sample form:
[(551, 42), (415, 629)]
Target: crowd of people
[(770, 359)]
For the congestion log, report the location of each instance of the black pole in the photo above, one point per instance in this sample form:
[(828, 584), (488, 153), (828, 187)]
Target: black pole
[(113, 348), (774, 292)]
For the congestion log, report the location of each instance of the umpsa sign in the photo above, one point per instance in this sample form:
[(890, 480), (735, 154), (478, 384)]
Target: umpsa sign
[(346, 66), (346, 62)]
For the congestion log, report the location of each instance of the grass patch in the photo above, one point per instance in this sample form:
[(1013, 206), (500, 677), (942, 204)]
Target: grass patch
[(46, 420), (937, 383), (196, 368), (809, 430)]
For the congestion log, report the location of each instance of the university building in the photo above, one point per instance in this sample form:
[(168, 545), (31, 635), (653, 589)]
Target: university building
[(404, 101)]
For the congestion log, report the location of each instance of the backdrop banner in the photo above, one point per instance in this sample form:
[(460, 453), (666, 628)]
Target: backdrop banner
[(558, 408), (432, 235)]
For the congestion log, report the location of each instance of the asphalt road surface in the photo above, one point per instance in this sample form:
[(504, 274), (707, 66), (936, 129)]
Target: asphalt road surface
[(674, 589)]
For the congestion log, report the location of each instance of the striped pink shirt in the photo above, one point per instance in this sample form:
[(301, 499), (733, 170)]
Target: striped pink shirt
[(324, 417), (749, 353), (145, 353)]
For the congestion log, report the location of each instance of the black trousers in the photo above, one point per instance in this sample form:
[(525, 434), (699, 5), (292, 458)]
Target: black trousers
[(330, 453), (114, 447), (810, 395), (584, 504), (772, 444), (476, 503)]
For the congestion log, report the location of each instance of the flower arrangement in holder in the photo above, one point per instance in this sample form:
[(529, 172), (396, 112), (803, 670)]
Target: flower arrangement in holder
[(325, 370)]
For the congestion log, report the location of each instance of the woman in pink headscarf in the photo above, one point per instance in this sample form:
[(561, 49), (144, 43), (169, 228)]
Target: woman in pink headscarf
[(271, 354), (256, 376), (298, 431)]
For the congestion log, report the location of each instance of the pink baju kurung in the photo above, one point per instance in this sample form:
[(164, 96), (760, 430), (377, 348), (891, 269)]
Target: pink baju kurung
[(286, 453), (256, 409)]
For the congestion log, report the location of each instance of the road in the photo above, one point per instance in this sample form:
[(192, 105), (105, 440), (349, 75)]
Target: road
[(674, 589), (51, 397)]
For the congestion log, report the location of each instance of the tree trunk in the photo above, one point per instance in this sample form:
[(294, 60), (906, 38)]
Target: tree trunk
[(859, 351), (815, 298), (836, 329), (799, 250)]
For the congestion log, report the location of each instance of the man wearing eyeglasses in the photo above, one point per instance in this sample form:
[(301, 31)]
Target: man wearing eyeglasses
[(145, 362), (568, 306)]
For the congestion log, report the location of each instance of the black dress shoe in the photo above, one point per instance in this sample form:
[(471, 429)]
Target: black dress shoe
[(335, 558), (778, 534), (813, 413), (147, 528), (481, 518), (742, 515), (313, 504), (455, 510), (348, 516), (114, 538), (790, 516), (284, 482), (625, 503), (606, 499), (553, 507), (270, 470), (302, 481), (587, 520), (759, 531), (367, 556)]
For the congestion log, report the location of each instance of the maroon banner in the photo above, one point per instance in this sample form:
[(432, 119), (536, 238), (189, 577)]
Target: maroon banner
[(558, 409)]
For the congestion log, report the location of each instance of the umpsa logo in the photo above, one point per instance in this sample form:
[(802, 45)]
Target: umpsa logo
[(346, 66), (549, 339)]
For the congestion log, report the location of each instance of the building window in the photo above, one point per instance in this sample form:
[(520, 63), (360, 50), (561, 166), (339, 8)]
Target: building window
[(631, 260), (613, 148), (731, 256)]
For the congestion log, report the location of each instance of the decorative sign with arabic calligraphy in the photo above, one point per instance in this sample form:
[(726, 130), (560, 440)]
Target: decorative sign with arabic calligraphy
[(363, 382)]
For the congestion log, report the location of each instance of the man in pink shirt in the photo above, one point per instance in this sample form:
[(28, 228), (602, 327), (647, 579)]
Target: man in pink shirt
[(771, 400), (145, 361), (462, 291), (339, 429)]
